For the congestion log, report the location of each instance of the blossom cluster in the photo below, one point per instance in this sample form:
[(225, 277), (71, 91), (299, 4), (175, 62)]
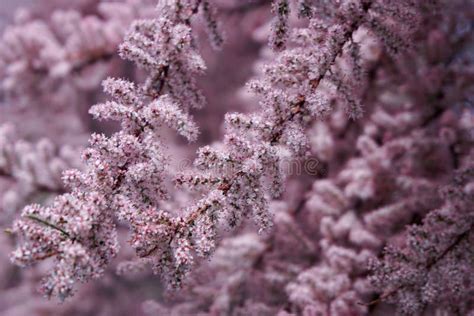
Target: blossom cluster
[(124, 173), (51, 59), (35, 167), (434, 264)]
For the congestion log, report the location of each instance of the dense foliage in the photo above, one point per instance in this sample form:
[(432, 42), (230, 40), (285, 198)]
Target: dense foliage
[(286, 157)]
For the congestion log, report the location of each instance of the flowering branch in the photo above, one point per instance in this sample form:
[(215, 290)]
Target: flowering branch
[(416, 274), (125, 173)]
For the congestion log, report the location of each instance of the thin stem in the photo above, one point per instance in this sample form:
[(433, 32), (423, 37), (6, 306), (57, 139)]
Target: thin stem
[(46, 223), (453, 245), (47, 255), (78, 66), (40, 187)]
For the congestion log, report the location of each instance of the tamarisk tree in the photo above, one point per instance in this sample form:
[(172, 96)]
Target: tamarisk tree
[(125, 175)]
